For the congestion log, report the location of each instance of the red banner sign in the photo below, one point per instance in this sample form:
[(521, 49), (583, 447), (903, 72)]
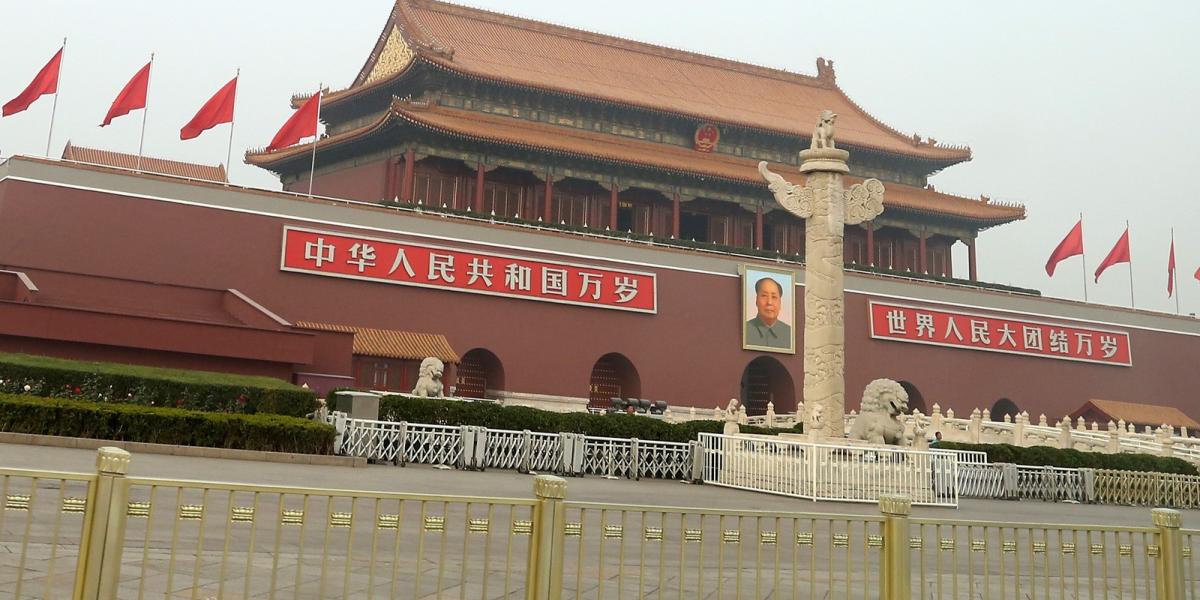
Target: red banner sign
[(374, 259), (996, 334)]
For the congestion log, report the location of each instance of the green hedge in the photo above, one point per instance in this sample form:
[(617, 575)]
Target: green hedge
[(134, 423), (1047, 456), (151, 386), (495, 416)]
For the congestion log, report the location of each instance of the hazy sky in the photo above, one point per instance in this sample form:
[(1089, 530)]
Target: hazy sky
[(1069, 106)]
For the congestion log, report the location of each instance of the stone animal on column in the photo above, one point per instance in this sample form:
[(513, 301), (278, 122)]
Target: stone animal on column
[(823, 133)]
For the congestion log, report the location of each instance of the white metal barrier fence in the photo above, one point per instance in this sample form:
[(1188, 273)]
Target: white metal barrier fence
[(830, 472), (471, 447)]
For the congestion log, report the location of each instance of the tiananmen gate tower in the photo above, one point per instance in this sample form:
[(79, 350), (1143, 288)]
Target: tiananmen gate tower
[(563, 217)]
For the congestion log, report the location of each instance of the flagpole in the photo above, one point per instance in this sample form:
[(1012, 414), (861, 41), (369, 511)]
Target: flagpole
[(1083, 256), (229, 153), (316, 138), (1130, 238), (145, 111), (54, 110)]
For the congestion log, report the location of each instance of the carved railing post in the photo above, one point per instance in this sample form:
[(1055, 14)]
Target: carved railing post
[(1064, 435), (896, 579), (100, 549), (543, 580), (974, 426), (1169, 577)]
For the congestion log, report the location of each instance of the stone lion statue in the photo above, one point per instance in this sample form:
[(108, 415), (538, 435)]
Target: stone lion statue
[(823, 134), (878, 420), (429, 379)]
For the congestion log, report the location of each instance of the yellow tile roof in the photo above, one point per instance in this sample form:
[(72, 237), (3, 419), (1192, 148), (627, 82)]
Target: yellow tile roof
[(387, 343), (1142, 414)]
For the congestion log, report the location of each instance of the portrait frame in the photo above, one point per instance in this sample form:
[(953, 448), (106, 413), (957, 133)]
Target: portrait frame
[(752, 333)]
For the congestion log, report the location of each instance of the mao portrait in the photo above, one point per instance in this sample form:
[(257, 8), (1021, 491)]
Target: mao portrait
[(768, 310)]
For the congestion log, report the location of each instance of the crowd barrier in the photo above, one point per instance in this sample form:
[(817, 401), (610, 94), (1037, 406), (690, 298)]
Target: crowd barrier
[(830, 471), (471, 447)]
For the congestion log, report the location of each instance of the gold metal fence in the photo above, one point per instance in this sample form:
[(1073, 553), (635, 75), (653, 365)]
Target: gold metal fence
[(220, 540), (41, 528), (1140, 488), (127, 537), (617, 551)]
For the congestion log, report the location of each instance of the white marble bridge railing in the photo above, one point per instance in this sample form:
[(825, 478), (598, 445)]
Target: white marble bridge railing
[(1112, 438)]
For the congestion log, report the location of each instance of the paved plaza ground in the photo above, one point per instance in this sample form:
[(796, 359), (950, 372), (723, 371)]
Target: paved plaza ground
[(510, 484)]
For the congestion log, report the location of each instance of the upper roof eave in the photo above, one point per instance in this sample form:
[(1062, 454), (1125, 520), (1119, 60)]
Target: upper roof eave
[(431, 50)]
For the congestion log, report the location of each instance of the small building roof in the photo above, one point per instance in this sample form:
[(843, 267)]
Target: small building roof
[(1141, 414), (387, 343), (478, 126), (149, 164), (500, 48)]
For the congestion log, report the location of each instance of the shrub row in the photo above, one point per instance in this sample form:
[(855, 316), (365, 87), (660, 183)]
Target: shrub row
[(518, 418), (1039, 456), (134, 423), (150, 386)]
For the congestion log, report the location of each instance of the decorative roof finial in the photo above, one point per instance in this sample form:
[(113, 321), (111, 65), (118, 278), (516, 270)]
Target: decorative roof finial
[(825, 70)]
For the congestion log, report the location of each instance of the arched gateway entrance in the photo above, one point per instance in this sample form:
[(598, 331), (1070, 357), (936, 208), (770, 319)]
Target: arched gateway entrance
[(915, 400), (613, 376), (1004, 407), (765, 380), (479, 371)]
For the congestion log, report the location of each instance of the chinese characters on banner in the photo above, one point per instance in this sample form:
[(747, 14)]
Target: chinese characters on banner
[(372, 259), (994, 334)]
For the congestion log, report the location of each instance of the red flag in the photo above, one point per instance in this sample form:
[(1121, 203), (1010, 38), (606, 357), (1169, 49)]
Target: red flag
[(1119, 254), (302, 124), (46, 82), (1072, 245), (218, 110), (132, 96), (1171, 270)]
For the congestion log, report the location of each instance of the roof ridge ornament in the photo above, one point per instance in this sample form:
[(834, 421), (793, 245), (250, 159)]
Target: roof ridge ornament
[(825, 72)]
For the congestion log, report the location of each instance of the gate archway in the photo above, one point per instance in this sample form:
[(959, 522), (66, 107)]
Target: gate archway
[(479, 371), (764, 380), (915, 400), (613, 376), (1002, 407)]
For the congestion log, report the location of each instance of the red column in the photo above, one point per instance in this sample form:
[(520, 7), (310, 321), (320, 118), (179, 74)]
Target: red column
[(758, 228), (612, 207), (406, 184), (547, 212), (389, 179), (675, 214), (478, 188), (924, 266), (974, 275), (870, 243)]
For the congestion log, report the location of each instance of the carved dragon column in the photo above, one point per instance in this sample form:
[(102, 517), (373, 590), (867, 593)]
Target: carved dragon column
[(826, 208)]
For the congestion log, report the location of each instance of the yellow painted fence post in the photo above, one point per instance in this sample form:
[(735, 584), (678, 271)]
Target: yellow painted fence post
[(100, 550), (895, 579), (1169, 572), (545, 576)]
